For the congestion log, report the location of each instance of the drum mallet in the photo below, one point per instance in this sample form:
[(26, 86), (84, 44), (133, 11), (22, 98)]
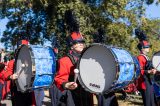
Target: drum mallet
[(76, 72), (22, 66)]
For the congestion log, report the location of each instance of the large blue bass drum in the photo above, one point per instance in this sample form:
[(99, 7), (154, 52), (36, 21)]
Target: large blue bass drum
[(35, 66), (103, 69), (156, 89)]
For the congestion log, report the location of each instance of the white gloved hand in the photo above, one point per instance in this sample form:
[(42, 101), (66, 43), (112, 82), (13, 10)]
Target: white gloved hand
[(71, 85), (14, 76)]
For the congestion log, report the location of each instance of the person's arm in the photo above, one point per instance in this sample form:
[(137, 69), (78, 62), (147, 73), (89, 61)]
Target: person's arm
[(62, 74), (142, 60), (1, 76), (64, 70), (8, 75)]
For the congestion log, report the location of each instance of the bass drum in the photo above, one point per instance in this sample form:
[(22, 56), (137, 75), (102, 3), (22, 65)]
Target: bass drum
[(35, 66), (137, 68), (156, 89), (156, 60), (156, 79), (103, 69)]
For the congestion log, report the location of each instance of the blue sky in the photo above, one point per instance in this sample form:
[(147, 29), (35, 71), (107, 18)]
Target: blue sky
[(2, 28), (152, 11), (2, 25)]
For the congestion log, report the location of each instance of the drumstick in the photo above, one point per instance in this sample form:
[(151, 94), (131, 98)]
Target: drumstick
[(157, 65), (76, 71), (22, 66)]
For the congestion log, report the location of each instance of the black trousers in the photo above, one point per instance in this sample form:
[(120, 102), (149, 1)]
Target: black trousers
[(148, 94), (59, 98), (55, 94), (77, 97), (20, 99), (1, 86), (107, 100)]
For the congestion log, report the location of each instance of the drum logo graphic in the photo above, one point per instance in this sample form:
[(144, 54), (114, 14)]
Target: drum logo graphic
[(94, 85)]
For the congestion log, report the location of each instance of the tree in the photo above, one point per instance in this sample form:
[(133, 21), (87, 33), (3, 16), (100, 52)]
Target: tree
[(152, 29), (112, 15), (23, 22), (118, 18)]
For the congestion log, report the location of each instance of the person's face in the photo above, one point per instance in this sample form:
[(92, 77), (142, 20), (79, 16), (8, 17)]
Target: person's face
[(78, 47), (145, 50)]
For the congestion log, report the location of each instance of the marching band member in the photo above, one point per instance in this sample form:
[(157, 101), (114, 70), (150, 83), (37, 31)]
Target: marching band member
[(18, 98), (144, 83), (73, 93), (2, 66)]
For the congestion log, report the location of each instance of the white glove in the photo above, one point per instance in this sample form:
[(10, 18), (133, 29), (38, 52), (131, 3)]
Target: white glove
[(14, 76)]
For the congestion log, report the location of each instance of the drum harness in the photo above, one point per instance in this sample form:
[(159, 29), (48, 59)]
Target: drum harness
[(72, 59)]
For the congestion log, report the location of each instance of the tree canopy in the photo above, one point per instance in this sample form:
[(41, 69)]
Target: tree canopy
[(39, 20)]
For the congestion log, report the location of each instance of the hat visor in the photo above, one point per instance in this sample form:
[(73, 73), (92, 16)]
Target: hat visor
[(148, 46), (78, 41)]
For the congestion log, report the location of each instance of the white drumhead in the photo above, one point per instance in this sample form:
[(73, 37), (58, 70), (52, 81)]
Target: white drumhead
[(156, 61), (97, 69), (23, 68)]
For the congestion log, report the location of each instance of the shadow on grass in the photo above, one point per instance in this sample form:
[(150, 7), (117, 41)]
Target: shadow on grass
[(130, 100)]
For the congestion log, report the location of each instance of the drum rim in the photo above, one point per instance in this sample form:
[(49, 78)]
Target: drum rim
[(152, 59), (117, 65)]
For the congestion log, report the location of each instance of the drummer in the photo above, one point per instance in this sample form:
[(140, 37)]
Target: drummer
[(18, 98), (144, 83), (72, 92)]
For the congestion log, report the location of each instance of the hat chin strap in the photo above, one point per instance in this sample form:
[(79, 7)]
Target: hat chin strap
[(75, 53)]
